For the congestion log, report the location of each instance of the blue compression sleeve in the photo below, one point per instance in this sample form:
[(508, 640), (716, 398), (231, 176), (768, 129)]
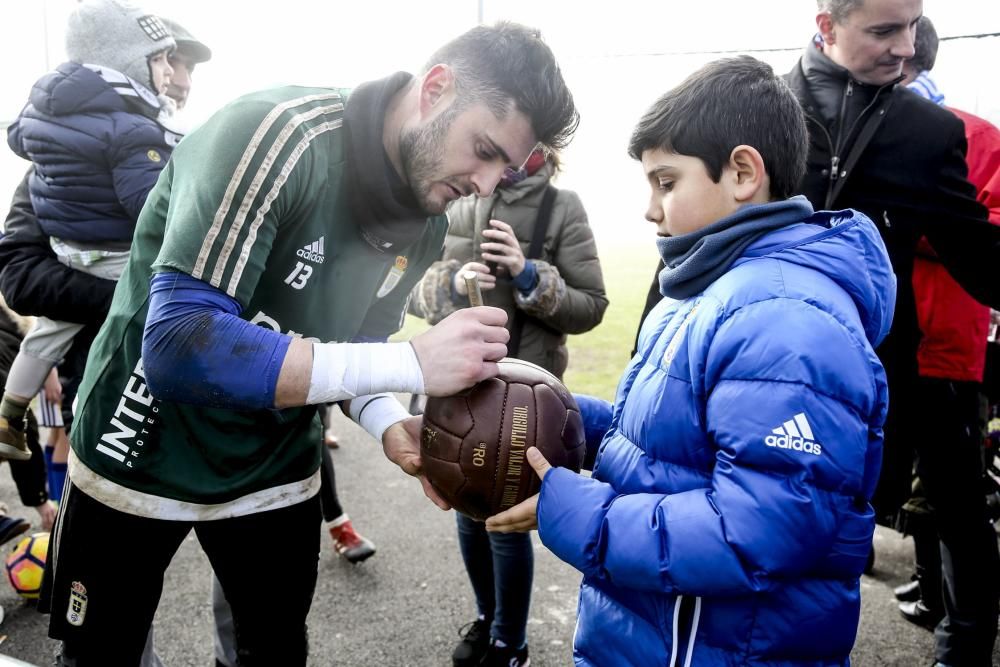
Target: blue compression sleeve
[(596, 415), (196, 349)]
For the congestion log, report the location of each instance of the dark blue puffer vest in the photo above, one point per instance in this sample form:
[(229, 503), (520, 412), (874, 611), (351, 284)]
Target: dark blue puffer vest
[(97, 152)]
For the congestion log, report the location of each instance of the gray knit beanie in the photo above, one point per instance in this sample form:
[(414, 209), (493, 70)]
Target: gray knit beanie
[(116, 34)]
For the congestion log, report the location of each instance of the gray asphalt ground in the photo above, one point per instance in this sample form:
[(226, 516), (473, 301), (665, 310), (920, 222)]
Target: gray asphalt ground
[(405, 605)]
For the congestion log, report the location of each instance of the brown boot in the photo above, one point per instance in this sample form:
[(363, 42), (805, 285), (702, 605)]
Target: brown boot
[(13, 444)]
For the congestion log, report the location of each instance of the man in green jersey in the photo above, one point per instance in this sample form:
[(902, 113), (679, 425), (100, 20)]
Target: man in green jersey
[(311, 213)]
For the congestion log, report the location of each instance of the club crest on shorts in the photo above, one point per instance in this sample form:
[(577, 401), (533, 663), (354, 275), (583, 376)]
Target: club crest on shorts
[(77, 610), (395, 275)]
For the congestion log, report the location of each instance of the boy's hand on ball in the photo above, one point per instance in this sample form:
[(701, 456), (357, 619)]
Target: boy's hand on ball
[(524, 516), (401, 444), (538, 462), (462, 349), (518, 519)]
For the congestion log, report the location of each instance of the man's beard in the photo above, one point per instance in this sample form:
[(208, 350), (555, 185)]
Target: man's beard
[(421, 151)]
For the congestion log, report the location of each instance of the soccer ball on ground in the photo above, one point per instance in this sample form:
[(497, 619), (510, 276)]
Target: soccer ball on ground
[(26, 563)]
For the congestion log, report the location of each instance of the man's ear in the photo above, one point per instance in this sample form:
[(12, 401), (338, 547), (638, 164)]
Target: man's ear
[(436, 87), (825, 26), (749, 177)]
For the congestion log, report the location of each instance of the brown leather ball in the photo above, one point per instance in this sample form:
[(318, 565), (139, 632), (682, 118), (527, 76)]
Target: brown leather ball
[(473, 444)]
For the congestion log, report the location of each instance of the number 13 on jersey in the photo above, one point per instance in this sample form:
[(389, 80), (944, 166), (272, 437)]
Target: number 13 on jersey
[(299, 275)]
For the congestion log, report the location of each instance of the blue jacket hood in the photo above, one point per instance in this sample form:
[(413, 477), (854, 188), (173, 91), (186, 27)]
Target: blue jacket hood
[(72, 89), (833, 243)]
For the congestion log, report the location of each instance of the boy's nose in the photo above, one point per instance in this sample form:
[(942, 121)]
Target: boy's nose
[(654, 213)]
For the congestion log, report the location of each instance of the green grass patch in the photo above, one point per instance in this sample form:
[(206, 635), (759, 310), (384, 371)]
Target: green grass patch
[(598, 357)]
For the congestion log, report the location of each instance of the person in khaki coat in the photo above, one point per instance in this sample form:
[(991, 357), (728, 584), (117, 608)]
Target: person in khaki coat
[(565, 287), (559, 292)]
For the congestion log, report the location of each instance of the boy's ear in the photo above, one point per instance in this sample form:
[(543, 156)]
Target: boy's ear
[(437, 87), (750, 180), (825, 26)]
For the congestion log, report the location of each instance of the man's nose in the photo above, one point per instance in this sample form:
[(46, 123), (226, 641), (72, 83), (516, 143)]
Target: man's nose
[(485, 180), (181, 78), (903, 47)]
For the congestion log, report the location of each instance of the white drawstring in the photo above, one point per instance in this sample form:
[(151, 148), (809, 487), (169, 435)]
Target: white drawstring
[(676, 635)]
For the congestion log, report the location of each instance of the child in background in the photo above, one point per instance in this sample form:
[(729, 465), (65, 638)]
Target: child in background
[(91, 133), (728, 519)]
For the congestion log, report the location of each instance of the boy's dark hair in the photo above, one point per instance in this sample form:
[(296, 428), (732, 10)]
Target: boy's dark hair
[(727, 103), (509, 62), (925, 46)]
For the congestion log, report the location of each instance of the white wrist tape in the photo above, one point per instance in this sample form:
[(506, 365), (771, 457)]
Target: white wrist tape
[(346, 370), (377, 412)]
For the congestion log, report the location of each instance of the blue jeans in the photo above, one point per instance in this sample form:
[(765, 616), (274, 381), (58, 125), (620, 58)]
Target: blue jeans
[(500, 568)]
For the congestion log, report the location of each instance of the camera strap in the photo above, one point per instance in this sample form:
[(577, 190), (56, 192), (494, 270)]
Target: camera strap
[(534, 251)]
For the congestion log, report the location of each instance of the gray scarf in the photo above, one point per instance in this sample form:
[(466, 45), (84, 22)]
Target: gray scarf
[(694, 261)]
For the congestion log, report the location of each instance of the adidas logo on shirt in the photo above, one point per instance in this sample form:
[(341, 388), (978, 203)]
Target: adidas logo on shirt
[(312, 252), (795, 434)]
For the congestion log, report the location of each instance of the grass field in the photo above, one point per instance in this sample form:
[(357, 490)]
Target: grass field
[(598, 357)]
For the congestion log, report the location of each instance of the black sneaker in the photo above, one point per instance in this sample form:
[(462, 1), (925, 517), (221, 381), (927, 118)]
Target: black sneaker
[(909, 592), (475, 641), (506, 656), (919, 614), (11, 527)]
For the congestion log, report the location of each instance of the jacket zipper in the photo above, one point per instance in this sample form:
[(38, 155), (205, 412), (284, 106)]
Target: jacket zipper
[(848, 93), (835, 148)]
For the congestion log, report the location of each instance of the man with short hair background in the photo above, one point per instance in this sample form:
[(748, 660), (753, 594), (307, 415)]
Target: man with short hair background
[(878, 148), (189, 53)]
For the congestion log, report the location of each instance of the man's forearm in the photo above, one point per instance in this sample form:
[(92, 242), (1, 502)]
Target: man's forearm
[(296, 372)]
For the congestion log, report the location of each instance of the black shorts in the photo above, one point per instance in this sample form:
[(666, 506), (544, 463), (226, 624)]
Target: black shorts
[(104, 577)]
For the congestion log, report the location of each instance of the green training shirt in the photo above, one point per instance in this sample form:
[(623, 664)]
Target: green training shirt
[(253, 203)]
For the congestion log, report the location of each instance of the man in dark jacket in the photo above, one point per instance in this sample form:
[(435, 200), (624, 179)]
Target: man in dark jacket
[(879, 148), (29, 475), (35, 282)]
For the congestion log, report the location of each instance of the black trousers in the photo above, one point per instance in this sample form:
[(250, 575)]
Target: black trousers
[(950, 466), (328, 489), (105, 577)]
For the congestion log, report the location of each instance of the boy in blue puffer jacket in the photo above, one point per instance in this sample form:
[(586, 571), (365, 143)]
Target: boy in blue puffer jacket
[(90, 129), (727, 521)]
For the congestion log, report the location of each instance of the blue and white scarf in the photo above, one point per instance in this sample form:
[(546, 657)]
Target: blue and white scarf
[(924, 86)]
